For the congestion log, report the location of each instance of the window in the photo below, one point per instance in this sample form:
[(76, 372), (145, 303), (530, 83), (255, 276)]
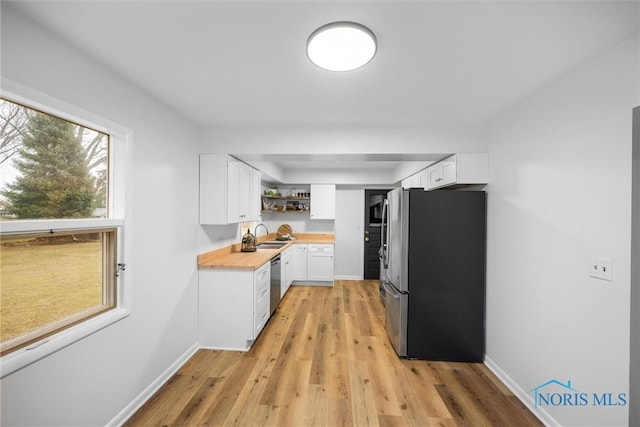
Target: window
[(52, 281), (59, 239)]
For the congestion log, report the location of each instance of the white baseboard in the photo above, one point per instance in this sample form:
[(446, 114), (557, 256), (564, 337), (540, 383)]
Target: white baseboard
[(244, 350), (347, 278), (311, 283), (146, 394), (520, 393)]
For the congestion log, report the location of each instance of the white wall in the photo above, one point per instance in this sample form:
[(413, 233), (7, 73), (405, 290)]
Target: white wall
[(91, 381), (349, 249), (560, 193), (634, 374)]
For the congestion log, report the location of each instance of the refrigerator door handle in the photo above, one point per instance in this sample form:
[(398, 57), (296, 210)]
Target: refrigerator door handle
[(383, 234), (390, 290)]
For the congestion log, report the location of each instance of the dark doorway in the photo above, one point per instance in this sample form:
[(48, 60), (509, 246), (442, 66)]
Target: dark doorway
[(373, 203)]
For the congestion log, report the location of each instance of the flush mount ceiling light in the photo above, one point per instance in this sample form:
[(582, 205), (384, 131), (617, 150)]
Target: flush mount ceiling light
[(341, 46)]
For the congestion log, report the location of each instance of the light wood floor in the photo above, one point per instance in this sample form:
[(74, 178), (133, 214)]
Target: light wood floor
[(324, 360)]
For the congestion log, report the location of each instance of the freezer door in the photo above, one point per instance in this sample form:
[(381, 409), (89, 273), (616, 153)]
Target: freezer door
[(396, 305)]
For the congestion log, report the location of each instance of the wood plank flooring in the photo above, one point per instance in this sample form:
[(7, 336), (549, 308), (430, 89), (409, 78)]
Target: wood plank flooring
[(324, 360)]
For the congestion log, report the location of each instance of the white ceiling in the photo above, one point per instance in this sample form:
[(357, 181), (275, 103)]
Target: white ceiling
[(439, 63)]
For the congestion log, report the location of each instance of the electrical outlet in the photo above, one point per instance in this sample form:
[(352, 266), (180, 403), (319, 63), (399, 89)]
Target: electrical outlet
[(601, 268), (606, 269), (593, 268)]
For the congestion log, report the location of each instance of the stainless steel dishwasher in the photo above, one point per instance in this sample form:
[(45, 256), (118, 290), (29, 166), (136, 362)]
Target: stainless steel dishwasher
[(275, 283)]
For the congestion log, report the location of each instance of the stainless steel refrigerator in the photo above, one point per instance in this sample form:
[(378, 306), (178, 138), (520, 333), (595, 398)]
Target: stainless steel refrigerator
[(435, 256)]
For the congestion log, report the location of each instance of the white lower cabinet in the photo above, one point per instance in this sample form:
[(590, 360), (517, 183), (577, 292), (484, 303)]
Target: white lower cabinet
[(313, 262), (320, 262), (233, 306), (299, 262), (287, 271)]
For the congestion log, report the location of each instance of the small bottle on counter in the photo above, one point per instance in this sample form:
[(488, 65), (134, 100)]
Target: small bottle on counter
[(248, 242)]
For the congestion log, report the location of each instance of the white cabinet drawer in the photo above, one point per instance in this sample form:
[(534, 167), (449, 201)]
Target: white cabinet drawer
[(261, 317), (262, 298), (320, 248), (262, 293), (262, 281)]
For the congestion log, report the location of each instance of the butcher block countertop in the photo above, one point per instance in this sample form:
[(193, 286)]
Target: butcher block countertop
[(231, 257)]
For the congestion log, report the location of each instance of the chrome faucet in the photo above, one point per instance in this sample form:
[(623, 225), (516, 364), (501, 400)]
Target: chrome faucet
[(255, 230)]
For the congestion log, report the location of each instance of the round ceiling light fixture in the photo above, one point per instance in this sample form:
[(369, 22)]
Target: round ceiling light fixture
[(341, 46)]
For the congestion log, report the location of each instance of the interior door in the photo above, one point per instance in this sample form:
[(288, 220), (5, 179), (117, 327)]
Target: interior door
[(373, 204)]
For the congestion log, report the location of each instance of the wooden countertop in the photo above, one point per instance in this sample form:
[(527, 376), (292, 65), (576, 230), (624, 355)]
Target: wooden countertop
[(231, 257)]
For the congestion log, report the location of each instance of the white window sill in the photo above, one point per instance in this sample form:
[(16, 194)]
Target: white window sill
[(19, 359)]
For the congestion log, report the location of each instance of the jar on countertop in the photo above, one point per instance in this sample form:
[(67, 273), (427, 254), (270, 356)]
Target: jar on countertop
[(248, 242)]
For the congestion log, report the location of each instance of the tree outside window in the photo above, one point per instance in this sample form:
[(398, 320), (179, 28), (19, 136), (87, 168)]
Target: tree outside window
[(60, 167)]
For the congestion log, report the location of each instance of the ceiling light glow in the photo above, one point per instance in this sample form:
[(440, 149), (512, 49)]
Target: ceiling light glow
[(341, 46)]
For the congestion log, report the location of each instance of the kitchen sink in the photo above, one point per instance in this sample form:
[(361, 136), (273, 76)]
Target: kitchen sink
[(270, 245)]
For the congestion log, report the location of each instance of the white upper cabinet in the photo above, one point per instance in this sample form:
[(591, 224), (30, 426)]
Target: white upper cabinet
[(239, 178), (417, 180), (255, 199), (229, 190), (461, 168), (323, 201)]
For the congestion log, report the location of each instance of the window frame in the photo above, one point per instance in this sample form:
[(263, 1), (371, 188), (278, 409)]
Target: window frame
[(109, 278), (119, 172)]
